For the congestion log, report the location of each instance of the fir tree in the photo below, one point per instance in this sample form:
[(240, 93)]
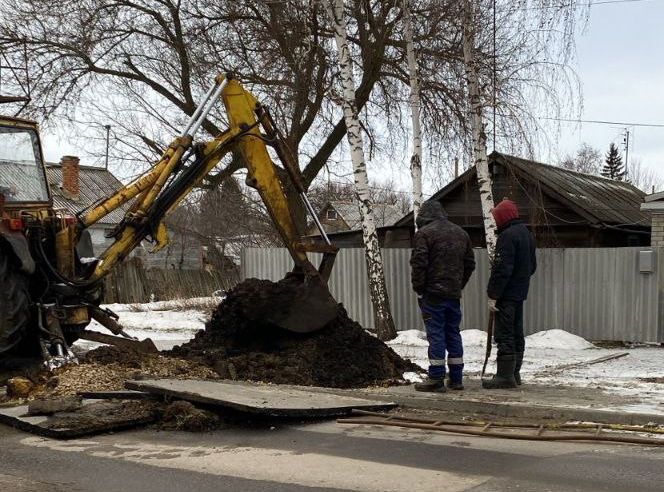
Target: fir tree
[(613, 165)]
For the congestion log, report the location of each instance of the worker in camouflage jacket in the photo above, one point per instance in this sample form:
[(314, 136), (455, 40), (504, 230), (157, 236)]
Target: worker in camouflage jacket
[(514, 264), (442, 262)]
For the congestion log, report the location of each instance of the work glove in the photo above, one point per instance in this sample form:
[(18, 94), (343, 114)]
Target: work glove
[(492, 306)]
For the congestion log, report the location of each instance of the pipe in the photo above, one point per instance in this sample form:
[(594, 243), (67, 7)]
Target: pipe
[(207, 107), (196, 113), (481, 423), (523, 437), (312, 212), (446, 426)]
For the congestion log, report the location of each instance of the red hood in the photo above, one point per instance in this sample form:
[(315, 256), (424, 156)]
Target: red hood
[(504, 212)]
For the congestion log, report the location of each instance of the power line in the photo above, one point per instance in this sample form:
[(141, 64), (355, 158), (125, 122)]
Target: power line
[(603, 122), (568, 5)]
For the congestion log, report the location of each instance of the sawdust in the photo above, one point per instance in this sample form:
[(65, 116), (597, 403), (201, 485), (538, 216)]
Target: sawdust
[(111, 376), (106, 369)]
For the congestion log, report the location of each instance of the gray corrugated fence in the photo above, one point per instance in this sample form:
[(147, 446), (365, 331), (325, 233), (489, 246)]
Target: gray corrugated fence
[(596, 293), (131, 283)]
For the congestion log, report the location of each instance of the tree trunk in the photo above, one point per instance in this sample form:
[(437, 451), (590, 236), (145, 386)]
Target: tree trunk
[(416, 158), (378, 290), (477, 124)]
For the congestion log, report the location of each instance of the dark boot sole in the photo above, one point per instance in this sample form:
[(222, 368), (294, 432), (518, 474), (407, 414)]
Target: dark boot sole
[(491, 385), (431, 390)]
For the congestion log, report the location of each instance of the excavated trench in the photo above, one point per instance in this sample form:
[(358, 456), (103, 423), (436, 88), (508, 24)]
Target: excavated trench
[(238, 344)]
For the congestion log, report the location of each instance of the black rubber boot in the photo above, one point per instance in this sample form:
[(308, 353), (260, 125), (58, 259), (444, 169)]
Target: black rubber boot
[(518, 359), (432, 385), (504, 377)]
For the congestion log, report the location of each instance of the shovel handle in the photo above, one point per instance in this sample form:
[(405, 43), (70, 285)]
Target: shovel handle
[(489, 336)]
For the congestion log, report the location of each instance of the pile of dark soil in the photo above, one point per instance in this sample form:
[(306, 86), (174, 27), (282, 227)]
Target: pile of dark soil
[(239, 344), (109, 354)]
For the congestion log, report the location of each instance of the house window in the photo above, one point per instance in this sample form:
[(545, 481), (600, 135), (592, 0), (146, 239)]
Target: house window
[(331, 214)]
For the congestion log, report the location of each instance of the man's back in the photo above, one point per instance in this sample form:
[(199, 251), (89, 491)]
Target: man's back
[(515, 263), (442, 259)]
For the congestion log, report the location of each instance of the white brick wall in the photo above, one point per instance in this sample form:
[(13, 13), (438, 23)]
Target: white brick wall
[(657, 235)]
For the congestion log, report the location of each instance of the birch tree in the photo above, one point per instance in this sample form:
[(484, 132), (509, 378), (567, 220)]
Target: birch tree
[(378, 290), (480, 159), (415, 103)]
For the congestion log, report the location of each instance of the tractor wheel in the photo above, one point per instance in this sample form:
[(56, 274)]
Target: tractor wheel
[(14, 304)]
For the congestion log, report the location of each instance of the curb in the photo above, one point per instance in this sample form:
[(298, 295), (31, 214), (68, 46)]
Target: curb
[(511, 409)]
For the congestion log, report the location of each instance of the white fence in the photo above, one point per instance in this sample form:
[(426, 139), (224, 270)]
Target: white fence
[(596, 293)]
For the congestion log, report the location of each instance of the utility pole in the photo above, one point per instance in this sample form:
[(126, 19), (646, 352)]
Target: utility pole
[(626, 142), (108, 138)]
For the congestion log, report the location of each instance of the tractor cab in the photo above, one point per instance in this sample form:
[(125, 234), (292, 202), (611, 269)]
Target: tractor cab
[(22, 177)]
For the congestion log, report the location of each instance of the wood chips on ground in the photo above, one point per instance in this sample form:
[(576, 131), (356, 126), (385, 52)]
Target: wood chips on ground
[(94, 376)]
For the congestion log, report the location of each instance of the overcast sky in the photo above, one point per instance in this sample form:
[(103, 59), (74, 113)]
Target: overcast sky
[(620, 63)]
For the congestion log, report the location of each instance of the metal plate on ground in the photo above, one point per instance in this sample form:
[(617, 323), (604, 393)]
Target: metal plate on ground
[(94, 417), (259, 399)]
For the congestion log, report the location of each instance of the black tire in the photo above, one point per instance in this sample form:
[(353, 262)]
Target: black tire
[(14, 304)]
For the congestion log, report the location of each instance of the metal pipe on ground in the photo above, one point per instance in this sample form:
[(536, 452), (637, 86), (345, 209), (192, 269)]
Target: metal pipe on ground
[(373, 418)]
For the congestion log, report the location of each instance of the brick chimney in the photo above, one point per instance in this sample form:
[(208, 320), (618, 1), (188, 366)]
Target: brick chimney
[(70, 176)]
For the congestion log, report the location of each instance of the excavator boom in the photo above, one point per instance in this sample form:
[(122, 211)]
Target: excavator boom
[(174, 176)]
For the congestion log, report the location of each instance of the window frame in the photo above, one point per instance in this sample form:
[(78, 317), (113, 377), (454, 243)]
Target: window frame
[(9, 204)]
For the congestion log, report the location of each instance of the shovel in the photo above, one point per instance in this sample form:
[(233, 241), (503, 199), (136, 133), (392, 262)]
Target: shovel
[(489, 336)]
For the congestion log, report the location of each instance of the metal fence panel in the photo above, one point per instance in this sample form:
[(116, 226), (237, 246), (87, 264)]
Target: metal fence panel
[(638, 291), (545, 305), (589, 291), (596, 293)]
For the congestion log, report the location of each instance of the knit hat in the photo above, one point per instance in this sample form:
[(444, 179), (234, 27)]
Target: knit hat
[(504, 212)]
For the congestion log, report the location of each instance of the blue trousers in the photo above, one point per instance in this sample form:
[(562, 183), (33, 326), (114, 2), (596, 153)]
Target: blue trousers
[(442, 321)]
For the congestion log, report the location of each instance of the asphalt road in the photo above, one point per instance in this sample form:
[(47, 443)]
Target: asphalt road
[(319, 457)]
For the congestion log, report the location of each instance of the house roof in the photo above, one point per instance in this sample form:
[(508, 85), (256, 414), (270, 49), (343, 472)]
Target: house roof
[(25, 179), (95, 183), (385, 214), (655, 197), (599, 200)]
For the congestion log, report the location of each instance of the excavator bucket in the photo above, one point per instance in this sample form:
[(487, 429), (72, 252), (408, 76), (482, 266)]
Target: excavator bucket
[(310, 308), (301, 303)]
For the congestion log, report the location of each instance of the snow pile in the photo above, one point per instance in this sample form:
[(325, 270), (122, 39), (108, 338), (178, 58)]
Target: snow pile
[(413, 377), (418, 338), (473, 338), (557, 339), (189, 304), (410, 338)]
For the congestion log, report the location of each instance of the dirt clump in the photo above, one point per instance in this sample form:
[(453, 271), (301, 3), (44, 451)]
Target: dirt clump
[(19, 387), (104, 416), (184, 416), (109, 354), (239, 344)]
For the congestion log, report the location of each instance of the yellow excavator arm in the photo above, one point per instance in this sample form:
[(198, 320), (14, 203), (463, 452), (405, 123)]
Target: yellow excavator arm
[(158, 191)]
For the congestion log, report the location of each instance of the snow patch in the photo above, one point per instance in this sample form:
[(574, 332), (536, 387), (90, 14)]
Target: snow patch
[(473, 338), (557, 339), (418, 338), (413, 377), (410, 338)]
